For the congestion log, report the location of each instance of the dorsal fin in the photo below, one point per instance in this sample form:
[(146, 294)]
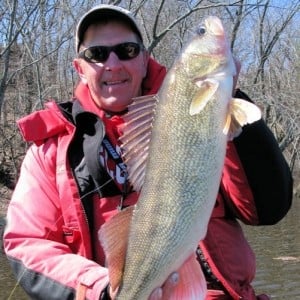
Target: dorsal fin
[(136, 137)]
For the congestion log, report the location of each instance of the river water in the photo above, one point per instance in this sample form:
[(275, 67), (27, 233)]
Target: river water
[(277, 250)]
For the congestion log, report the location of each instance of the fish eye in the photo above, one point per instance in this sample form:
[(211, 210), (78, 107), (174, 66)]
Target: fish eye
[(201, 30)]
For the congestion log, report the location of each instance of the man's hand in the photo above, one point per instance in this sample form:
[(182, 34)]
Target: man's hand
[(161, 293), (164, 292)]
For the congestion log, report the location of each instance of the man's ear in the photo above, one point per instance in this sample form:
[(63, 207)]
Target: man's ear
[(78, 68)]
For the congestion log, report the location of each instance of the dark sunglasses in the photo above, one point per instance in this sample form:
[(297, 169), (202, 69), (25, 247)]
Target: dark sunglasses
[(99, 54)]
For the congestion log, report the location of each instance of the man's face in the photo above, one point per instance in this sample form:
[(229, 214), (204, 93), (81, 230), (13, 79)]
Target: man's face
[(115, 82)]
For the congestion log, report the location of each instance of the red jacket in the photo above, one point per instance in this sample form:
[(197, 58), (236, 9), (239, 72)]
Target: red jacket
[(48, 239)]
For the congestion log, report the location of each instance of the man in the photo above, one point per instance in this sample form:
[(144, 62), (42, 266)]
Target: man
[(72, 178)]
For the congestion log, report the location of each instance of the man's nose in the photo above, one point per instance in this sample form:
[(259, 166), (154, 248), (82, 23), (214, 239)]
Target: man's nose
[(113, 62)]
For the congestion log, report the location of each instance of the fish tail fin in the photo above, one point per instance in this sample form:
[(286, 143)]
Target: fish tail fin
[(241, 112), (113, 236), (192, 283)]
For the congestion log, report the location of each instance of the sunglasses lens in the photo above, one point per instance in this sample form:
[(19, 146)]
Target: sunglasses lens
[(124, 51), (96, 54), (127, 51)]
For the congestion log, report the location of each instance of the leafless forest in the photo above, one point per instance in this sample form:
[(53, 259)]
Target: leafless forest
[(37, 48)]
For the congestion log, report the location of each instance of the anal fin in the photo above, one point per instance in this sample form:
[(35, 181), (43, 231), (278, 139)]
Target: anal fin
[(192, 283)]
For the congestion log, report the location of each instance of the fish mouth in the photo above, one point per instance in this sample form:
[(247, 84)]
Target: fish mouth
[(214, 25)]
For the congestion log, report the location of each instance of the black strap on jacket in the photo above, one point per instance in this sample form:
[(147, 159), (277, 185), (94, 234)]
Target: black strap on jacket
[(85, 147), (89, 174)]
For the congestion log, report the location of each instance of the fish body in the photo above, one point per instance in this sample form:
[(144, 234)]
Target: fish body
[(183, 158)]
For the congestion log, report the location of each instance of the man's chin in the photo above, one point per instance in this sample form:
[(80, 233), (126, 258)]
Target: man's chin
[(117, 107)]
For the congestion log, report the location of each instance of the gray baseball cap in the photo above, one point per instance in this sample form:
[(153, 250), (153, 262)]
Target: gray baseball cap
[(104, 10)]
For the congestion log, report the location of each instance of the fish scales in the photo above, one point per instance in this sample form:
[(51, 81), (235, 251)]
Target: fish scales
[(184, 166), (182, 150)]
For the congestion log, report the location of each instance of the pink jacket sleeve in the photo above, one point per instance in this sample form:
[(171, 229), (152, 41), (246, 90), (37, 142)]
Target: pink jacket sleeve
[(34, 241)]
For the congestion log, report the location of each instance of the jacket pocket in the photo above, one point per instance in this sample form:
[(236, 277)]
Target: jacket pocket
[(72, 237)]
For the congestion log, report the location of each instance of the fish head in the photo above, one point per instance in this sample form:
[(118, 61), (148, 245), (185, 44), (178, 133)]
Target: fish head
[(208, 53)]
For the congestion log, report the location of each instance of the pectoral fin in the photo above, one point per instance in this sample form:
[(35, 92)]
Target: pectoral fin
[(241, 112), (207, 89)]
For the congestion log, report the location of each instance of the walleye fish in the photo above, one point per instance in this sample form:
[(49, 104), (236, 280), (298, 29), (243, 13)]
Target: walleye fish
[(174, 146)]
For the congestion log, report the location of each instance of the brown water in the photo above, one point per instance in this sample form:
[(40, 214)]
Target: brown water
[(277, 250)]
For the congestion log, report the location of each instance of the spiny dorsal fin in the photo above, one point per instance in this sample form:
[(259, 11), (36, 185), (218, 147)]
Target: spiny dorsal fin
[(136, 137)]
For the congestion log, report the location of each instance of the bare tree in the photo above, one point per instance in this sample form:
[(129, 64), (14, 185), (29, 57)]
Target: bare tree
[(37, 48), (6, 48), (269, 34)]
